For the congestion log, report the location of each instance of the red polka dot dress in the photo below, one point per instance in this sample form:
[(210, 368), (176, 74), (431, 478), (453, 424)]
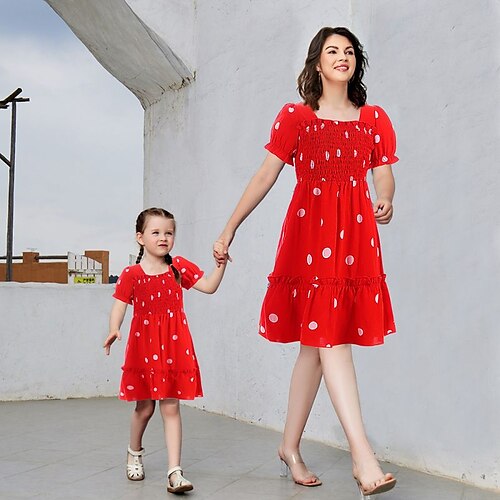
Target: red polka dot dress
[(160, 361), (328, 284)]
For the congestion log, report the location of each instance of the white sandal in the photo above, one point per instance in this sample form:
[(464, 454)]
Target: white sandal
[(177, 483), (135, 470)]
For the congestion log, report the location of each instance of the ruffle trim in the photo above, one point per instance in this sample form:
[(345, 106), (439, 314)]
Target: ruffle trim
[(301, 282)]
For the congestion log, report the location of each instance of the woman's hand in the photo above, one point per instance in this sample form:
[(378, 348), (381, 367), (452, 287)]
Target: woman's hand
[(221, 248), (383, 210), (110, 339)]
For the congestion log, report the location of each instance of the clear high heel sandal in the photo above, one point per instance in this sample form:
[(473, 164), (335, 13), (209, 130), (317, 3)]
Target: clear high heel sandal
[(294, 459), (381, 488)]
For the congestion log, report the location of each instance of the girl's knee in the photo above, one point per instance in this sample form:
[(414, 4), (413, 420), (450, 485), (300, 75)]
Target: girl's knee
[(169, 407), (145, 409)]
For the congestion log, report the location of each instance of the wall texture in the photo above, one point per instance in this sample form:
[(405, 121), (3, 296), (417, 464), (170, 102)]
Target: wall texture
[(430, 395)]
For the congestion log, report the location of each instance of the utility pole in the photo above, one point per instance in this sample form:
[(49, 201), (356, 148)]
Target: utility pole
[(12, 99)]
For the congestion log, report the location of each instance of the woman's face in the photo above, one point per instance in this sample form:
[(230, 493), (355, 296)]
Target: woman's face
[(337, 61)]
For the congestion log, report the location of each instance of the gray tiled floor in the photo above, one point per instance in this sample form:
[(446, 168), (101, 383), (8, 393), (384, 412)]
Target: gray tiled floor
[(75, 449)]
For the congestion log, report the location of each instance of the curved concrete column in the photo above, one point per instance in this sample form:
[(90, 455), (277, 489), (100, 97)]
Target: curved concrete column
[(129, 38)]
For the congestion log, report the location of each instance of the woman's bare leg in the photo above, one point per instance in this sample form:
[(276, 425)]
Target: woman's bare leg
[(340, 378), (143, 412), (304, 384)]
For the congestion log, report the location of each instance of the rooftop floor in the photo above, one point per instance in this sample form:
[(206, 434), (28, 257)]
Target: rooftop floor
[(76, 449)]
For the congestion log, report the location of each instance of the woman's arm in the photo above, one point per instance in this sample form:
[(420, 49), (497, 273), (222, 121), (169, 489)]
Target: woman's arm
[(255, 192), (210, 283), (115, 322), (383, 180)]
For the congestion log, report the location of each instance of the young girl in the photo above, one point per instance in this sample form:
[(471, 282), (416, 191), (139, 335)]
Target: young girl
[(328, 289), (160, 362)]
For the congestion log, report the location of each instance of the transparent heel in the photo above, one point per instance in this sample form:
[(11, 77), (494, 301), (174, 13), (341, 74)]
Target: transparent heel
[(284, 469), (362, 496)]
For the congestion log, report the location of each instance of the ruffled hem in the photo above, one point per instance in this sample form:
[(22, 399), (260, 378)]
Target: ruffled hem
[(138, 384), (327, 312)]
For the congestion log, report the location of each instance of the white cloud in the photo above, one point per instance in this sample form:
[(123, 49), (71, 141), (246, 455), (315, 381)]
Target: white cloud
[(79, 151)]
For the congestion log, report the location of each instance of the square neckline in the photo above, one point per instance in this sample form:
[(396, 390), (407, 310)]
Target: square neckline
[(358, 120)]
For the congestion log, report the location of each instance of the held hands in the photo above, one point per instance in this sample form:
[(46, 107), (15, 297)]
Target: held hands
[(110, 339), (221, 249), (383, 211)]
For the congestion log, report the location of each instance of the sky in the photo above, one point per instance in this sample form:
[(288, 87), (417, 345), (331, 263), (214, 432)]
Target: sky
[(79, 152)]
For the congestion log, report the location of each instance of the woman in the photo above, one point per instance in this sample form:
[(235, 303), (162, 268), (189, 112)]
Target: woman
[(327, 289)]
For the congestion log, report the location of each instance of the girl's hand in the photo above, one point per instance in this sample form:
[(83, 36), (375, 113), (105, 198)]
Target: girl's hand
[(383, 211), (110, 339), (221, 248)]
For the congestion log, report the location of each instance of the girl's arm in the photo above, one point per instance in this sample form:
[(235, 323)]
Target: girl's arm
[(210, 283), (257, 188), (383, 180), (115, 322)]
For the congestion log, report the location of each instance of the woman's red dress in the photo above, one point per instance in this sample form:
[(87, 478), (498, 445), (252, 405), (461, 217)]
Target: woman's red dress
[(328, 284)]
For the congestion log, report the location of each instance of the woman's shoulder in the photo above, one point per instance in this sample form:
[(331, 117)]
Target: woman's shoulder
[(375, 115), (297, 110)]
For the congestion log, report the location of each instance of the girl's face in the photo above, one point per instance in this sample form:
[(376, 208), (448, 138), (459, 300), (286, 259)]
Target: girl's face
[(337, 61), (158, 236)]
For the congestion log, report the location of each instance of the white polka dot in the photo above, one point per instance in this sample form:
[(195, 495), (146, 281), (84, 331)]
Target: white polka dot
[(184, 321), (179, 393), (301, 212), (192, 379), (312, 163), (155, 389), (359, 218), (262, 329), (354, 183), (294, 293), (360, 331), (196, 276), (338, 153), (349, 260), (155, 357), (130, 387), (152, 297), (378, 252), (327, 155), (159, 294), (346, 134), (328, 345), (372, 242), (169, 361), (291, 109), (301, 156), (143, 304), (335, 303), (146, 360), (187, 352), (127, 270), (313, 325), (277, 125), (326, 253), (146, 322), (316, 191), (174, 337), (162, 347), (183, 270), (355, 153), (376, 114), (377, 138), (342, 234), (389, 331), (385, 159), (376, 298), (309, 259), (137, 334), (309, 294), (273, 318), (367, 194), (119, 282), (122, 394), (171, 314)]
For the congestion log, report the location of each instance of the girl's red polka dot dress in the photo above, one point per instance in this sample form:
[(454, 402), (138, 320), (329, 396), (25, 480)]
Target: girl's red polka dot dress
[(328, 284), (160, 361)]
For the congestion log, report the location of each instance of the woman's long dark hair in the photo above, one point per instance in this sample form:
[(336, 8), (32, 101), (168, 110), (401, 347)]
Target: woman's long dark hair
[(309, 82), (140, 225)]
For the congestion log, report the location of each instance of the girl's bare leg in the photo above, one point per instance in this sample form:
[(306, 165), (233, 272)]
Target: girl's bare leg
[(172, 425), (304, 384), (340, 378), (143, 412)]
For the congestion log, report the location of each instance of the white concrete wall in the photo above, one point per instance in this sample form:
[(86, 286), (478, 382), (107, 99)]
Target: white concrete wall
[(430, 396), (51, 342)]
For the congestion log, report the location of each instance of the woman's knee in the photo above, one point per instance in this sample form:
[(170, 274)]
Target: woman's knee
[(145, 409), (169, 407)]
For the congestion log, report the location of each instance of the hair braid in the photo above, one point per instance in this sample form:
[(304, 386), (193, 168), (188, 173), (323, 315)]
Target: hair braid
[(141, 253)]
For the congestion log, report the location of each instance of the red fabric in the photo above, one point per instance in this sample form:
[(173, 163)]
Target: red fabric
[(328, 284), (160, 361)]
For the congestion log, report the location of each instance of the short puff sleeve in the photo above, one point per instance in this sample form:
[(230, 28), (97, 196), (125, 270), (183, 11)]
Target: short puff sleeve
[(385, 140), (284, 134), (189, 271), (124, 288)]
